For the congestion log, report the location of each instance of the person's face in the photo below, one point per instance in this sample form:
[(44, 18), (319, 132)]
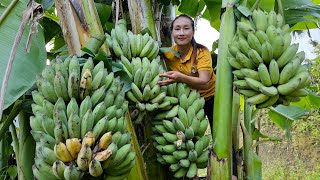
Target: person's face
[(182, 31)]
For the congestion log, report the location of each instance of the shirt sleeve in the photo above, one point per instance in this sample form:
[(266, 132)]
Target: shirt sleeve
[(204, 60)]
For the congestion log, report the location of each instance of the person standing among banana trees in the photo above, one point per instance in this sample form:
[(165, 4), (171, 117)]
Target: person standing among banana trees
[(193, 66)]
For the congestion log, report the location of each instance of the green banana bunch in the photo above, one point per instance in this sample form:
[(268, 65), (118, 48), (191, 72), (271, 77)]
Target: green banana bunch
[(79, 120), (124, 43), (179, 132), (266, 64)]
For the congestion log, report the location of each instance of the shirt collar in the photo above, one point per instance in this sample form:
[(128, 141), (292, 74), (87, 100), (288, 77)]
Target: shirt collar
[(188, 57)]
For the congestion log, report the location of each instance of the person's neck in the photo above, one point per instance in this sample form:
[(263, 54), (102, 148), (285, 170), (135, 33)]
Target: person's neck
[(183, 50)]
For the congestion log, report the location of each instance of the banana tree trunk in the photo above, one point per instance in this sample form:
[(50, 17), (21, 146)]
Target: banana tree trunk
[(222, 123), (79, 22), (26, 148), (237, 163), (247, 143), (142, 17)]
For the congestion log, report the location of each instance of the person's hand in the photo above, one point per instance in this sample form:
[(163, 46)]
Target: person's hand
[(173, 76)]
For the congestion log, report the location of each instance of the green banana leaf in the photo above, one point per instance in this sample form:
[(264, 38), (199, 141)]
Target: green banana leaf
[(26, 65), (284, 116)]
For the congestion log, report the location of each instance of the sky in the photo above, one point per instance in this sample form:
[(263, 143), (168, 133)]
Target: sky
[(206, 35)]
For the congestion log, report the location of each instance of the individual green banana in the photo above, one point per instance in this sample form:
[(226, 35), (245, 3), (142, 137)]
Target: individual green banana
[(264, 75), (241, 84), (85, 84), (234, 63), (74, 125), (192, 155), (192, 171), (47, 124), (233, 49), (257, 99), (98, 112), (271, 32), (46, 154), (244, 46), (37, 97), (250, 73), (290, 86), (147, 78), (58, 168), (189, 132), (97, 80), (287, 55), (95, 168), (49, 73), (173, 112), (245, 61), (203, 158), (269, 102), (244, 28), (60, 86), (86, 123), (85, 105), (274, 71), (73, 85), (121, 154), (299, 93), (267, 53), (74, 65), (147, 48), (248, 93), (72, 172), (262, 36), (254, 43), (255, 56), (98, 95), (136, 91), (269, 91), (47, 89), (116, 47), (203, 127), (286, 73), (260, 19)]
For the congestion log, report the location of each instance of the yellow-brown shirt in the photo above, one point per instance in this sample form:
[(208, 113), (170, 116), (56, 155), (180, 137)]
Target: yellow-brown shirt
[(204, 63)]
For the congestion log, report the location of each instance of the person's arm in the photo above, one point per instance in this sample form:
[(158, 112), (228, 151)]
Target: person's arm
[(200, 83)]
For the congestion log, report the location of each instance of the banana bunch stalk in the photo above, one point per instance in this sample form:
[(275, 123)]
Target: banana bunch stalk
[(180, 133), (267, 66), (124, 42), (79, 122)]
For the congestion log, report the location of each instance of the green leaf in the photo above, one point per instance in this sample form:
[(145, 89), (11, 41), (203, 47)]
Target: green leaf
[(169, 49), (257, 165), (214, 8), (12, 171), (244, 10), (104, 12), (189, 7), (46, 4), (283, 116), (311, 100), (257, 134), (26, 65)]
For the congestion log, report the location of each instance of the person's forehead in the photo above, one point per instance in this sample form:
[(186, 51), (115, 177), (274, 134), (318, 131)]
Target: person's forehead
[(182, 21)]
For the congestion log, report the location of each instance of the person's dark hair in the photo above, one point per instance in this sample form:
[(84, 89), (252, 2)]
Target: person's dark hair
[(194, 44)]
